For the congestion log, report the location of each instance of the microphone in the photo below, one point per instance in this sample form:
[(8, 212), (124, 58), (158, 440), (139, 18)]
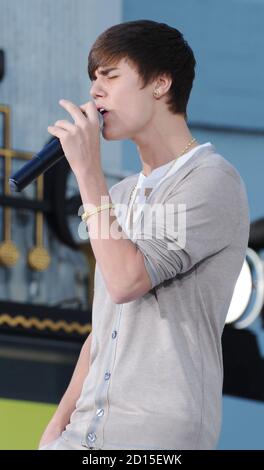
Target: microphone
[(41, 162)]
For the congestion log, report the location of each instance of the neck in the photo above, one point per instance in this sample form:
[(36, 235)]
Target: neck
[(162, 140)]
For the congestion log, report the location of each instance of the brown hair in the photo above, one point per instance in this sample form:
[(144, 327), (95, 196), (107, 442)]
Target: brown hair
[(154, 48)]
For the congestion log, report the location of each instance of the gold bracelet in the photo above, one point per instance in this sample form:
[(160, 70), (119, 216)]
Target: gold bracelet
[(87, 214)]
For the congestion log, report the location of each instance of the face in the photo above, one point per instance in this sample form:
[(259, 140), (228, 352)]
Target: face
[(130, 109)]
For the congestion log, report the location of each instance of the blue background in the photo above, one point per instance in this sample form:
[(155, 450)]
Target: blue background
[(226, 109)]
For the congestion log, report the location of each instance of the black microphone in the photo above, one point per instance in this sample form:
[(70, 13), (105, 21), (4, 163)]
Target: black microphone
[(41, 162)]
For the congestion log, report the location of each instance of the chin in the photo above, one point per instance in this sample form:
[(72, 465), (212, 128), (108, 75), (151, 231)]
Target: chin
[(114, 135)]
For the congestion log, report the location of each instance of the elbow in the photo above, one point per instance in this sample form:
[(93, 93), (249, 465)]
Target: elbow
[(121, 295), (132, 292), (133, 285)]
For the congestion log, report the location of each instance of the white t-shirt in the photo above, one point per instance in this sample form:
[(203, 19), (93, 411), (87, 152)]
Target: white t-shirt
[(147, 184)]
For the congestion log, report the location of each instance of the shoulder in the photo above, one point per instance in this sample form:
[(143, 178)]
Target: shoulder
[(214, 163), (210, 177), (206, 171)]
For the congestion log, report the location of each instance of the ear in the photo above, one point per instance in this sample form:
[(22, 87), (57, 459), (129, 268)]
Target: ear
[(163, 84)]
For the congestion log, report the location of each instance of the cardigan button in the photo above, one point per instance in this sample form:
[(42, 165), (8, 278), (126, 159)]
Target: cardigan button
[(107, 375)]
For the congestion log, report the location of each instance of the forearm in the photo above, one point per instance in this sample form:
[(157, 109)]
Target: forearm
[(118, 258), (67, 404)]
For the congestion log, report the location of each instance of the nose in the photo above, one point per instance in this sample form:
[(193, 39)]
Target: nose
[(96, 89)]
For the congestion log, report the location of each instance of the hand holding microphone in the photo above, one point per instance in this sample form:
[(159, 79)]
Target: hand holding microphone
[(43, 160)]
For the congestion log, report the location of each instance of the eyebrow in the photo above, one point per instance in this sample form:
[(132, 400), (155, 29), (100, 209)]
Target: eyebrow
[(107, 70)]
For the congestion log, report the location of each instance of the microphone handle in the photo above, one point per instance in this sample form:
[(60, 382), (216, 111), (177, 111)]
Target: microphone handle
[(42, 161)]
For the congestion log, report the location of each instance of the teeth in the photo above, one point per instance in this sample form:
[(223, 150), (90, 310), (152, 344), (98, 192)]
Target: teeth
[(102, 110)]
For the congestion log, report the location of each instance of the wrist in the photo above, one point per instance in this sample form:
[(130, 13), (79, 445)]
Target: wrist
[(58, 423), (93, 188), (89, 174)]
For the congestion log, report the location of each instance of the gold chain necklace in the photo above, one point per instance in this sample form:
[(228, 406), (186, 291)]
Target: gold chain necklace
[(174, 160)]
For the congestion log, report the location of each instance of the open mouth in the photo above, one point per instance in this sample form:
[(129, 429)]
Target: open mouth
[(103, 111)]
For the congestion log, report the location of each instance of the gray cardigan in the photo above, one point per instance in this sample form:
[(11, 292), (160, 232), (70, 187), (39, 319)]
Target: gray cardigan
[(156, 373)]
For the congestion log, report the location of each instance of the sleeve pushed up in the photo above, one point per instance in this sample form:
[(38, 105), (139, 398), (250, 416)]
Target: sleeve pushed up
[(197, 221)]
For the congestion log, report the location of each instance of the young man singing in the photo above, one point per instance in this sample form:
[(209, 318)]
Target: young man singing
[(150, 374)]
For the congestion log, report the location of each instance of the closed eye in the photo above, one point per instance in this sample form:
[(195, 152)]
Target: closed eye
[(109, 78)]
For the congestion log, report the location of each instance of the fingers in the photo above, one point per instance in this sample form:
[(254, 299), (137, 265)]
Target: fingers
[(73, 110), (61, 128), (57, 132), (82, 114), (66, 125), (91, 112)]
